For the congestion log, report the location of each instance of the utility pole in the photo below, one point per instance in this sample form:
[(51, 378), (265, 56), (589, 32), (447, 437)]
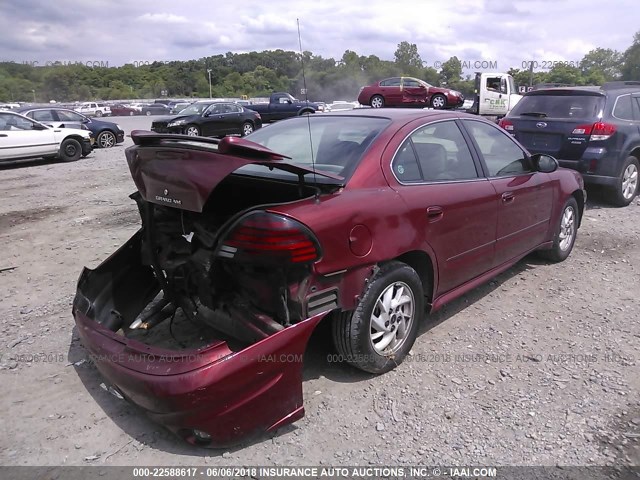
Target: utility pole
[(209, 72)]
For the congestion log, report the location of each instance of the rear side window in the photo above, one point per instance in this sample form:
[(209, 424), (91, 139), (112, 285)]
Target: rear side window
[(436, 152), (559, 106), (42, 116), (390, 82), (623, 109)]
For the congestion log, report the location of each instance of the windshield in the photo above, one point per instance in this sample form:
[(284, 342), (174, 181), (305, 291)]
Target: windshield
[(195, 109), (331, 144), (562, 106)]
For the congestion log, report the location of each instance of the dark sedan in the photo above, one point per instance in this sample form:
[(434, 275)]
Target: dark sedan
[(155, 109), (106, 134), (409, 92), (202, 317), (211, 119)]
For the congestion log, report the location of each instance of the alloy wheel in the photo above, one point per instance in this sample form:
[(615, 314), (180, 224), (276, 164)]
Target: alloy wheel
[(567, 227), (392, 317), (629, 181)]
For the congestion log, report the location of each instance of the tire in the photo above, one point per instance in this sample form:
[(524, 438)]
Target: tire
[(98, 113), (131, 114), (70, 150), (192, 131), (439, 101), (564, 235), (247, 128), (106, 139), (377, 101), (148, 113), (627, 184), (354, 332)]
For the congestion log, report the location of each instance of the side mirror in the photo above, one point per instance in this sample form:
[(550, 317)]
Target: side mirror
[(544, 163)]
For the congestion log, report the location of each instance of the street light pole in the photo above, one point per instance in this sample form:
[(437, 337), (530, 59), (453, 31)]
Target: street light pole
[(209, 72)]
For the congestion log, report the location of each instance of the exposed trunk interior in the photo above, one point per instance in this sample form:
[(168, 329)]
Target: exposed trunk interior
[(191, 294)]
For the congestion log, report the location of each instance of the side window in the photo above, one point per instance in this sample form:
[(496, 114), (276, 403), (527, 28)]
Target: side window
[(636, 107), (501, 154), (405, 165), (66, 116), (439, 153), (390, 82), (43, 116), (622, 108), (407, 82), (443, 153)]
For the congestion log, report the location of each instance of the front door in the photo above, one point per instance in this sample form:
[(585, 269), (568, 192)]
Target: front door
[(414, 94), (21, 137), (524, 196)]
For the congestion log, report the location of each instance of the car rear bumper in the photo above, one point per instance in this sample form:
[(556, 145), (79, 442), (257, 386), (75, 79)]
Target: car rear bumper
[(230, 395)]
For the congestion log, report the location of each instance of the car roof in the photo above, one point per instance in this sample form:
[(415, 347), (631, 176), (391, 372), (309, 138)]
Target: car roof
[(403, 114)]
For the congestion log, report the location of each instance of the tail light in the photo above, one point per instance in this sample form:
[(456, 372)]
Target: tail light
[(598, 130), (506, 124), (270, 238)]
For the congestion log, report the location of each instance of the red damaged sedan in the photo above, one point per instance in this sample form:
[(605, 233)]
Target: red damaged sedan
[(365, 219), (409, 92)]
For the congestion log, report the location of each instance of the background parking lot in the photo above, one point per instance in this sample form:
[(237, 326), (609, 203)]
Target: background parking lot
[(540, 366)]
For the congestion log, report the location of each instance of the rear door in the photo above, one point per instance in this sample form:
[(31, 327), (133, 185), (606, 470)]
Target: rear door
[(557, 122), (391, 90), (524, 197), (450, 201)]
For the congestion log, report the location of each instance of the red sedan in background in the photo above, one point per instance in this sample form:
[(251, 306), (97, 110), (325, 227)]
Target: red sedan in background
[(409, 92), (203, 316), (123, 110)]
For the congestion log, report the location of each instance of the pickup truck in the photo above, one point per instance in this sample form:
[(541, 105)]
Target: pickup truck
[(282, 105), (93, 109), (495, 94)]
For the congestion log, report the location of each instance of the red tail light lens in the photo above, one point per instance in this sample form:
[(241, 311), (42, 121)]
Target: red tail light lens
[(598, 130), (506, 124), (268, 237)]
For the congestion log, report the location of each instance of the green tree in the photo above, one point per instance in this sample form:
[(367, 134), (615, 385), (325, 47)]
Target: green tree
[(408, 58), (631, 60), (451, 71), (567, 74), (601, 63)]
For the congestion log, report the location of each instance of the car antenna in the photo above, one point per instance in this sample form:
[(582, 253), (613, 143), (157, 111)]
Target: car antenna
[(306, 99)]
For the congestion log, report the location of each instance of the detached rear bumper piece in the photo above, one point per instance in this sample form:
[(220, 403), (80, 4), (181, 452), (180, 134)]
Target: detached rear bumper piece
[(210, 396)]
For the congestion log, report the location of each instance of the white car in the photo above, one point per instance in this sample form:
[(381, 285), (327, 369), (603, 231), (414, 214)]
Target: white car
[(94, 109), (23, 138)]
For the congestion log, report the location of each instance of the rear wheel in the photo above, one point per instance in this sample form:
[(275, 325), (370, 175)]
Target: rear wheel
[(565, 234), (148, 113), (627, 184), (98, 113), (70, 150), (106, 139), (247, 128), (131, 114), (377, 101), (438, 101), (380, 332), (192, 131)]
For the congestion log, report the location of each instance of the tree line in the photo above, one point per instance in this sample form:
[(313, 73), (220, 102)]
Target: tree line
[(257, 74)]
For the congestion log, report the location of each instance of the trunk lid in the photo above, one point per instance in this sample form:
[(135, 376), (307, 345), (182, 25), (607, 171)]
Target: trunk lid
[(556, 122), (181, 171)]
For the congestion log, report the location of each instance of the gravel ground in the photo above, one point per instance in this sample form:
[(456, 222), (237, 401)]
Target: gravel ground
[(538, 367)]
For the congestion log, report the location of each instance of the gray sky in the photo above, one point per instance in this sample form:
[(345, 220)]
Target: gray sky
[(507, 32)]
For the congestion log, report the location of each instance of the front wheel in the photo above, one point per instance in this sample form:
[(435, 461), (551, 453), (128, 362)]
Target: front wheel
[(106, 139), (131, 114), (564, 236), (438, 101), (380, 332), (192, 131), (247, 128), (148, 113), (377, 101), (627, 184), (70, 150)]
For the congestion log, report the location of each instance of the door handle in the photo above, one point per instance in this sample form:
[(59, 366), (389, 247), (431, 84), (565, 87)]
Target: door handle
[(434, 213), (507, 197)]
